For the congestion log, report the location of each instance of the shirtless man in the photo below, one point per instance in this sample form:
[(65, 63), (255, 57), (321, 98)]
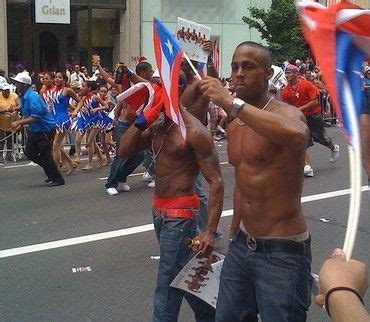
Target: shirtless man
[(175, 203), (267, 268)]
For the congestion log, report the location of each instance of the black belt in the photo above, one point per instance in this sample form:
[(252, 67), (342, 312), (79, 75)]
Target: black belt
[(275, 244)]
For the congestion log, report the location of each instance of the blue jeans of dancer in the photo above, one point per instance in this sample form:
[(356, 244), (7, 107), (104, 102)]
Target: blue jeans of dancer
[(174, 254), (273, 280), (120, 168)]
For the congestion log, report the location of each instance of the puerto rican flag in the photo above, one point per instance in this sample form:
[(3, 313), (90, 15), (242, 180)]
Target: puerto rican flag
[(168, 54), (339, 37), (142, 96)]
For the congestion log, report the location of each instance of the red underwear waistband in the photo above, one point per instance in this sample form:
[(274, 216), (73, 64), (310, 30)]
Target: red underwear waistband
[(191, 202)]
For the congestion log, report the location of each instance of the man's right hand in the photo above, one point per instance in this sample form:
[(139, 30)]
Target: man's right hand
[(212, 88), (336, 272)]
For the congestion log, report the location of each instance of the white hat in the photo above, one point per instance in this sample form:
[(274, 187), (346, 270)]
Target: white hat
[(5, 87), (23, 78)]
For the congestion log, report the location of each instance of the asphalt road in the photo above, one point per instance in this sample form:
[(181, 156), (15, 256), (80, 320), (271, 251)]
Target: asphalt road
[(78, 225)]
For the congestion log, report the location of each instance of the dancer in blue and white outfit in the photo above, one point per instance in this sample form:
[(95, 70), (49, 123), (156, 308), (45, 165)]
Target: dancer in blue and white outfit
[(63, 120), (90, 121)]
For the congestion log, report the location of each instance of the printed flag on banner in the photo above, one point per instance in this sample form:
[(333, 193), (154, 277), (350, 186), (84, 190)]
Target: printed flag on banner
[(142, 96), (168, 54), (335, 35)]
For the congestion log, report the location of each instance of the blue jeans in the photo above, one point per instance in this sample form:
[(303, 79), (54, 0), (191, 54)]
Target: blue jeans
[(274, 280), (171, 234), (120, 168)]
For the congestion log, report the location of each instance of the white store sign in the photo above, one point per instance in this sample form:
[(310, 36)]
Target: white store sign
[(53, 11)]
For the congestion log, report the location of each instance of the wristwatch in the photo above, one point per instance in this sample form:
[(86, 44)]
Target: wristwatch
[(236, 107)]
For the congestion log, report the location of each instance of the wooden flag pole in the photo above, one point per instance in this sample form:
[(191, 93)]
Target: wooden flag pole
[(192, 66)]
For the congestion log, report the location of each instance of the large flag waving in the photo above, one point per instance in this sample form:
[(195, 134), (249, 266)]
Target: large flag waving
[(336, 36), (168, 54)]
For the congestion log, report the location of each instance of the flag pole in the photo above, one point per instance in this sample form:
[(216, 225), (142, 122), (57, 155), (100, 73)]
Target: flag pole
[(192, 66), (354, 152)]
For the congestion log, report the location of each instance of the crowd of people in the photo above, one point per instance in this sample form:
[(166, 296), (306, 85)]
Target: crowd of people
[(267, 269)]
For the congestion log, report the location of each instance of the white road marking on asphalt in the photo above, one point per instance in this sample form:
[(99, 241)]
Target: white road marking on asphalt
[(135, 230)]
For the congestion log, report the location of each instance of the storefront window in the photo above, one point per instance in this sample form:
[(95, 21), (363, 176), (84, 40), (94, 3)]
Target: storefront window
[(40, 46)]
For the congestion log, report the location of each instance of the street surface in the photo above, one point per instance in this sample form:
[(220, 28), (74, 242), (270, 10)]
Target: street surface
[(79, 225)]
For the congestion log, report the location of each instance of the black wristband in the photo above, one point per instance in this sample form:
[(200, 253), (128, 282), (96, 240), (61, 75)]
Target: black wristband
[(340, 288)]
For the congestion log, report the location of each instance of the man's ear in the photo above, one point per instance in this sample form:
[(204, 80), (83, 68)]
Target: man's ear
[(269, 73)]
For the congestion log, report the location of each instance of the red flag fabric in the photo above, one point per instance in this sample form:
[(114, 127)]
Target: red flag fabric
[(142, 96)]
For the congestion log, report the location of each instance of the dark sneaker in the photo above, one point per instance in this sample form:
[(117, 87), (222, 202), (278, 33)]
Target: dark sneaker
[(59, 182), (48, 180)]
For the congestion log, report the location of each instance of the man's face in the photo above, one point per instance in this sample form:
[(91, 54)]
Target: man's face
[(20, 87), (76, 68), (248, 72), (147, 74), (307, 75), (6, 93), (290, 76)]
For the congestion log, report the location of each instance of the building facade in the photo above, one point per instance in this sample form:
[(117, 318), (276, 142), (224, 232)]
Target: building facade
[(223, 16), (118, 30), (110, 28)]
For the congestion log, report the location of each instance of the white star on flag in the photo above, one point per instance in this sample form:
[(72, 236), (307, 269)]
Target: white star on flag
[(169, 45)]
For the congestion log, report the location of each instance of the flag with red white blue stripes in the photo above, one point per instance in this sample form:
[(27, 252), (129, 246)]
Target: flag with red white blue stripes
[(339, 39), (168, 55)]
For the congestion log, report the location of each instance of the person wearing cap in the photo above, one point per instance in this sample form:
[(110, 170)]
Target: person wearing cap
[(304, 95), (41, 129), (9, 103)]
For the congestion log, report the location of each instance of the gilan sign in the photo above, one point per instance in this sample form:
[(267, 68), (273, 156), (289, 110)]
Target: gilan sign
[(53, 11)]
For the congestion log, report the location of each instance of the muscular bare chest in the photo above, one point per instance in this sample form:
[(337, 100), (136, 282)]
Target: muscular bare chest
[(248, 147)]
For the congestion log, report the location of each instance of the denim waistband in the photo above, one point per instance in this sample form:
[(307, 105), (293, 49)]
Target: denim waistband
[(275, 244)]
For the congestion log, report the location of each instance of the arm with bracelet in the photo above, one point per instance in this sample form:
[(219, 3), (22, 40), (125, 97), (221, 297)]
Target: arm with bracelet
[(342, 286)]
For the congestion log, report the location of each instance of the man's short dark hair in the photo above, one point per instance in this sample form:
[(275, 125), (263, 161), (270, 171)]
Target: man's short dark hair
[(143, 66), (265, 51)]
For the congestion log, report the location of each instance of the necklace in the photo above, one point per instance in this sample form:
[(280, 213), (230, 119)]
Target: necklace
[(268, 102), (161, 145)]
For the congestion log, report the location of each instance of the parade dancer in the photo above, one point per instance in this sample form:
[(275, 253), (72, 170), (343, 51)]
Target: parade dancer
[(90, 121), (106, 123), (62, 119)]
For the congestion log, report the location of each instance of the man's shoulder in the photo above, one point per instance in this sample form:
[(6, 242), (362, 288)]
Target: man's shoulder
[(285, 109)]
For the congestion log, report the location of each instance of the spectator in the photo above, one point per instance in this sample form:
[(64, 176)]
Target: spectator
[(342, 286)]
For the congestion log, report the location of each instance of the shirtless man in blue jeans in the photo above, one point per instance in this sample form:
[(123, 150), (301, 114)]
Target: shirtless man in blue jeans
[(267, 267), (175, 203)]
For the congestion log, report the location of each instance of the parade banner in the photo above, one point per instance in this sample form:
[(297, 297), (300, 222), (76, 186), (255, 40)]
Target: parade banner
[(201, 277), (191, 36)]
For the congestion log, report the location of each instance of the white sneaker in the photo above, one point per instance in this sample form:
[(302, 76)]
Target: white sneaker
[(147, 177), (123, 186), (151, 184), (112, 191), (308, 171), (334, 154)]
